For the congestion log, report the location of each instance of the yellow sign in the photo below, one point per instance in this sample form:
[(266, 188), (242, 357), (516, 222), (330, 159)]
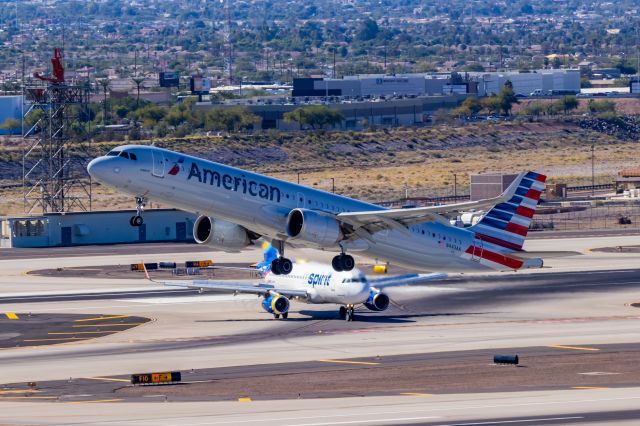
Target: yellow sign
[(160, 377)]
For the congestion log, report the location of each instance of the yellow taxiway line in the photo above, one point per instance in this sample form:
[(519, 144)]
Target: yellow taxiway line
[(416, 394), (95, 401), (577, 348), (102, 318), (590, 387), (131, 324), (337, 361), (83, 332), (245, 399), (11, 316), (108, 379)]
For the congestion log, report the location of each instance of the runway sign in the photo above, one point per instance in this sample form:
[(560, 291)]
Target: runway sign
[(156, 378)]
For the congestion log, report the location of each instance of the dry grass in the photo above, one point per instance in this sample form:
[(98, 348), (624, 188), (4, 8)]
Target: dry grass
[(379, 165)]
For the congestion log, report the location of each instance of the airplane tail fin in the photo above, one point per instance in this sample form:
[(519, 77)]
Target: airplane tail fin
[(506, 225), (269, 254)]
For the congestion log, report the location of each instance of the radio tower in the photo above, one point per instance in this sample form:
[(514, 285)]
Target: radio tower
[(228, 44), (54, 177)]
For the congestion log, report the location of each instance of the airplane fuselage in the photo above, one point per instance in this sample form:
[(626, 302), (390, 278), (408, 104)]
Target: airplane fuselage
[(261, 204), (323, 284)]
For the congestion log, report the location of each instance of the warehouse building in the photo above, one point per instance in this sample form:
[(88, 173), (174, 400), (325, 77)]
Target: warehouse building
[(104, 227), (547, 82)]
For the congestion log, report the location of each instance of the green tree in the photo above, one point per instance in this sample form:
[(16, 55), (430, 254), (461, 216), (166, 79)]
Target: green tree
[(316, 116), (368, 30), (10, 124), (568, 103), (230, 119), (507, 97), (491, 103), (469, 108), (534, 108), (600, 106)]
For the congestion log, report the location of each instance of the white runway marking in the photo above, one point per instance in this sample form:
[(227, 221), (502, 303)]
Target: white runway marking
[(190, 299)]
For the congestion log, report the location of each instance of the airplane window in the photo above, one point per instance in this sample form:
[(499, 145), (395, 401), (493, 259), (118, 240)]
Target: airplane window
[(423, 232), (133, 156), (113, 153), (124, 154)]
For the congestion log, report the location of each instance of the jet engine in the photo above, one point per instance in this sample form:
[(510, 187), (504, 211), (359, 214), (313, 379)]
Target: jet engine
[(276, 304), (221, 234), (313, 227), (377, 301)]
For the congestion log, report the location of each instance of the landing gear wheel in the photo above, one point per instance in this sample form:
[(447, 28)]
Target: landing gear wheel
[(343, 262), (275, 266), (342, 312), (276, 316), (337, 265), (286, 266), (285, 315), (136, 221), (349, 316), (348, 263)]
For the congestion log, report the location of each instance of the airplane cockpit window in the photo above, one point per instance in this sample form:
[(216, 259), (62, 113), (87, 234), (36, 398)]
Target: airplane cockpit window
[(113, 153), (125, 154)]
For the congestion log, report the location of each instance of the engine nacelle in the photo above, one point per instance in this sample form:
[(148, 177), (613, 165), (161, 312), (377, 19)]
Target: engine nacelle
[(276, 304), (377, 301), (313, 227), (221, 234)]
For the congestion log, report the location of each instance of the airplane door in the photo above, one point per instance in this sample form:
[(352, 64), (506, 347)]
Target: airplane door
[(476, 255), (300, 199), (158, 164)]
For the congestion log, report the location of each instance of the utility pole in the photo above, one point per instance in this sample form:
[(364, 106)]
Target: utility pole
[(455, 186), (333, 185), (593, 179)]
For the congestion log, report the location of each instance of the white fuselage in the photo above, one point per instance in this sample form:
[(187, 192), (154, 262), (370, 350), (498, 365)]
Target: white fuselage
[(323, 284), (261, 204)]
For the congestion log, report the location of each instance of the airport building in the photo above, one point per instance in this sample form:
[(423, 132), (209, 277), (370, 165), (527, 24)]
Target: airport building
[(436, 84), (542, 82), (376, 85), (102, 227), (408, 111)]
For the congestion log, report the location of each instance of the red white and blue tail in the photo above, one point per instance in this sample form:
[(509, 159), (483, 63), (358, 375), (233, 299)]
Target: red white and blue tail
[(504, 228)]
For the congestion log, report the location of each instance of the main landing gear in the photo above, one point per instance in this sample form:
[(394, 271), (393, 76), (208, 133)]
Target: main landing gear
[(284, 316), (137, 219), (343, 262), (280, 265), (346, 312)]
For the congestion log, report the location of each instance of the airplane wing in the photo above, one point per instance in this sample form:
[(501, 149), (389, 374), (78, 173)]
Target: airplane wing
[(372, 221), (406, 280), (233, 287)]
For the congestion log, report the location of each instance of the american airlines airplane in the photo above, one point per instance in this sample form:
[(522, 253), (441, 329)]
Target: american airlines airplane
[(312, 283), (237, 207)]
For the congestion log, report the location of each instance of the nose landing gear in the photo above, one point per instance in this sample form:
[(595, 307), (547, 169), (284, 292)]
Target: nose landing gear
[(137, 220), (346, 313)]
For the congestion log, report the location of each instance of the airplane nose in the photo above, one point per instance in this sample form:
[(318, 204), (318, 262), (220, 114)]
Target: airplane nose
[(98, 168)]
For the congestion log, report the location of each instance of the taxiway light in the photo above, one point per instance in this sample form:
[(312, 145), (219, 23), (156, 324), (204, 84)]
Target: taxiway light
[(156, 378), (506, 359)]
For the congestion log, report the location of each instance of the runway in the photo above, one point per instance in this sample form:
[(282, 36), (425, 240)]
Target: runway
[(427, 360)]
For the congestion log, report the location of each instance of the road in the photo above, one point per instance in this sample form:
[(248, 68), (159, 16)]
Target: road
[(427, 360)]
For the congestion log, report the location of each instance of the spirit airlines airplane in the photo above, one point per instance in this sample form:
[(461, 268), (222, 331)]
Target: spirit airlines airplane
[(312, 283), (236, 207)]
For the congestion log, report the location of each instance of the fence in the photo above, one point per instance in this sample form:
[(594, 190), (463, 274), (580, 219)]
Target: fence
[(625, 215)]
